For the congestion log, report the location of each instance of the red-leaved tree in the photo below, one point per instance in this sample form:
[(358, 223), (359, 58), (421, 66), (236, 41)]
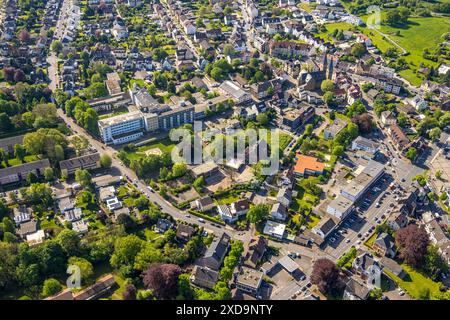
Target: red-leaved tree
[(325, 275), (130, 292), (412, 243), (162, 278)]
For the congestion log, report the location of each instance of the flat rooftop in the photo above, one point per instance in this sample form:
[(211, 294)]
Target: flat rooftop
[(249, 277), (120, 119)]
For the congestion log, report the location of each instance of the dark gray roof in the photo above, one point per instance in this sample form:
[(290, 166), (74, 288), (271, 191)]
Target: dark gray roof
[(385, 241), (218, 247), (357, 289), (28, 227), (26, 167), (392, 266), (11, 141), (81, 161)]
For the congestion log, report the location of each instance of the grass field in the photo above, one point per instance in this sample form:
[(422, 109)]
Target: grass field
[(334, 26), (419, 34), (416, 284), (165, 145)]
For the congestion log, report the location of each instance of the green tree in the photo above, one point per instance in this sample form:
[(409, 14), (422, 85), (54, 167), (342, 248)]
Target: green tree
[(338, 150), (258, 213), (51, 287), (57, 46), (411, 153), (125, 252), (327, 85), (49, 174), (105, 161), (69, 241), (179, 169), (435, 133), (358, 50), (262, 119), (19, 152), (31, 177), (83, 177)]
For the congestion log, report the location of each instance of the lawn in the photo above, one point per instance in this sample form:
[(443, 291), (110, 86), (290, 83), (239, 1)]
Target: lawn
[(284, 139), (151, 235), (416, 284), (165, 146), (371, 240), (228, 199), (334, 26)]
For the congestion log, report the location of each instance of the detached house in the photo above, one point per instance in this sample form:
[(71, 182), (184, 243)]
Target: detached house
[(278, 212), (189, 27), (255, 251), (284, 196), (384, 245), (216, 252)]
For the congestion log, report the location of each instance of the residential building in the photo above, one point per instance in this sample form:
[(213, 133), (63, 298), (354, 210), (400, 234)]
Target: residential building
[(213, 258), (80, 227), (397, 220), (388, 118), (274, 229), (364, 265), (225, 214), (8, 144), (249, 280), (239, 207), (355, 290), (294, 118), (21, 214), (361, 183), (204, 204), (398, 136), (162, 225), (437, 235), (284, 196), (326, 226), (20, 172), (26, 228), (278, 212), (205, 170), (254, 251), (334, 128), (35, 238), (361, 143), (88, 161), (384, 245), (393, 267), (185, 232), (204, 277), (419, 103), (122, 128)]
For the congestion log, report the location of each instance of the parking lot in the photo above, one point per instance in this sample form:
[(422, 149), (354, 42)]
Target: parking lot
[(370, 211)]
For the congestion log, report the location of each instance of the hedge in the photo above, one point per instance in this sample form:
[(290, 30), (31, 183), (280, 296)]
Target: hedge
[(206, 217)]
